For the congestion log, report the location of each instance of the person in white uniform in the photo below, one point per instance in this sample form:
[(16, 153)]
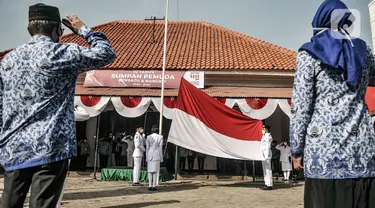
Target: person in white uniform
[(285, 159), (154, 156), (267, 156), (128, 139), (139, 142)]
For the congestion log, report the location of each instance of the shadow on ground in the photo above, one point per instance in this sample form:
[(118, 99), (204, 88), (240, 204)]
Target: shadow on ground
[(127, 191), (256, 185), (144, 204)]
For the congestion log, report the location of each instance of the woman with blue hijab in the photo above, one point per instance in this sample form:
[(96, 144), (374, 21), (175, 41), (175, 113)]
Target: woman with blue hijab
[(330, 124)]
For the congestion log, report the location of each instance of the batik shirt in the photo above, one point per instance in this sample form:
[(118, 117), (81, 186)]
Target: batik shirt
[(330, 123), (37, 86)]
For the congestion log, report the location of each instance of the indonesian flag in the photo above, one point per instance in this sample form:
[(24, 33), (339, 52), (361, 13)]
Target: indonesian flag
[(204, 124)]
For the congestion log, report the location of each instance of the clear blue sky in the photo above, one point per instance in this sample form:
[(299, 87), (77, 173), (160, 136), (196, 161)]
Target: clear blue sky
[(286, 23)]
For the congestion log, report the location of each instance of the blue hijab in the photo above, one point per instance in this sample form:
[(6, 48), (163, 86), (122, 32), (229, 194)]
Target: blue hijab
[(344, 54)]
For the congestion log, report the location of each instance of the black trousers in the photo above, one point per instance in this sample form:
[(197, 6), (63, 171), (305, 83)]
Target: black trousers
[(275, 165), (103, 161), (191, 163), (83, 160), (118, 158), (182, 163), (46, 183), (200, 163), (344, 193)]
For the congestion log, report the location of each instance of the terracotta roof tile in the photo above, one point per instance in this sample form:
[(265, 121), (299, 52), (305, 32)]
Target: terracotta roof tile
[(226, 92), (191, 46)]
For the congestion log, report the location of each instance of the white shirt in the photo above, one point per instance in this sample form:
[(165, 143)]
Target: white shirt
[(285, 152), (129, 142), (154, 147), (266, 146), (139, 143)]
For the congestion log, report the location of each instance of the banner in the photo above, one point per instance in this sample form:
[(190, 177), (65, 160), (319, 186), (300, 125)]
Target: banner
[(140, 78)]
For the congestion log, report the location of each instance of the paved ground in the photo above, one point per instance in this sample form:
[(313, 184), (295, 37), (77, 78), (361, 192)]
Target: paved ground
[(85, 192)]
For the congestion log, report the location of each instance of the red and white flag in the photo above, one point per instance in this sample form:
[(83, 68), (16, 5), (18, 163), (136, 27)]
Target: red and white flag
[(204, 124)]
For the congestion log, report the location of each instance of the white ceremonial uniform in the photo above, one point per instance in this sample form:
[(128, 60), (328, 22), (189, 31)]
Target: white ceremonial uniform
[(154, 155), (129, 150), (139, 143), (285, 156), (154, 152), (267, 155), (285, 159)]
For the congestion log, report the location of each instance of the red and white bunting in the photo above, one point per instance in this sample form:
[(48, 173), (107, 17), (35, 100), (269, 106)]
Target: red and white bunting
[(169, 106), (257, 108), (285, 105), (80, 114), (227, 101), (93, 105), (131, 107)]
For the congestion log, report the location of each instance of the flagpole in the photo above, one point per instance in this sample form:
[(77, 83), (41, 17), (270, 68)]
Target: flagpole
[(163, 76)]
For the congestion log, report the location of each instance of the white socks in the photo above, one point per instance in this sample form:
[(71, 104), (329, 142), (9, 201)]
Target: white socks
[(286, 175), (152, 177), (149, 180)]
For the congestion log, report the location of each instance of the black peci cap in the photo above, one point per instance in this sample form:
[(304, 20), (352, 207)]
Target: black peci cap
[(44, 12)]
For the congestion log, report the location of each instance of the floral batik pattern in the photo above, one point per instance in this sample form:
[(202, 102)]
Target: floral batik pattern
[(330, 124), (37, 83)]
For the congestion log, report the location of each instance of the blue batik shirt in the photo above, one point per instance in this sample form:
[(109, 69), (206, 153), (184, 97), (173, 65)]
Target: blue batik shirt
[(330, 124), (37, 85)]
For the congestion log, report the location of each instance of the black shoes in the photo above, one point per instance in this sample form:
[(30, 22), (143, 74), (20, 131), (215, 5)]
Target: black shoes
[(267, 188), (152, 189), (135, 184)]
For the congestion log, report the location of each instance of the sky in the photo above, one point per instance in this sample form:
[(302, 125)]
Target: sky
[(286, 23)]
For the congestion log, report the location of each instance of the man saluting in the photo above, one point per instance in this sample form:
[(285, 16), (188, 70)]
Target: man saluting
[(37, 83), (267, 156), (139, 143)]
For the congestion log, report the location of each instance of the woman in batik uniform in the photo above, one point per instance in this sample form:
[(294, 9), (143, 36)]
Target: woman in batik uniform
[(330, 124)]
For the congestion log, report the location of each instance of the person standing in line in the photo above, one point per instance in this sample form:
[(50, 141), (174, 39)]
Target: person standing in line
[(275, 161), (183, 156), (267, 155), (154, 156), (285, 159), (118, 151), (124, 146), (85, 152), (37, 83), (139, 142), (128, 139), (200, 158), (104, 152), (191, 159), (331, 128)]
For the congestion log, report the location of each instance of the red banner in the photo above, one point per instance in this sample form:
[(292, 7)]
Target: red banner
[(136, 78)]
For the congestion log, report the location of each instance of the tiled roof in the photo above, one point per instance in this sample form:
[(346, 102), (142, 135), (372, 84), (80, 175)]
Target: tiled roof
[(225, 92), (191, 46)]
